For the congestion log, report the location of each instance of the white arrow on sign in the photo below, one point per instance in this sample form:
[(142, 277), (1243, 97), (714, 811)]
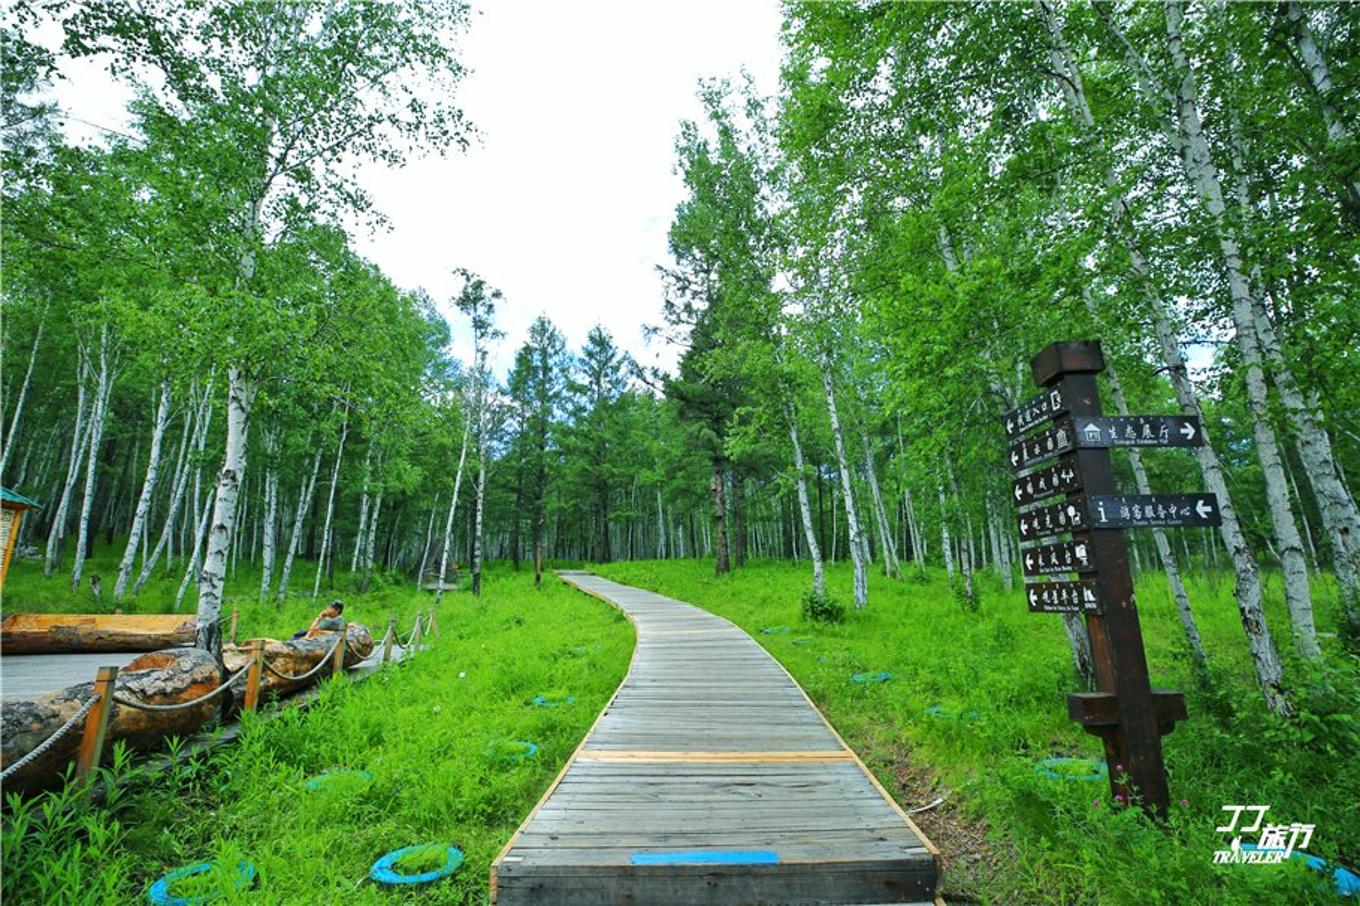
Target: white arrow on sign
[(1017, 492), (1015, 458), (1024, 527), (1202, 507), (1188, 431), (1010, 426), (1029, 562)]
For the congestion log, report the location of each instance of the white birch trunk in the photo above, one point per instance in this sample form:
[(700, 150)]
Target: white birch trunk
[(804, 505), (856, 545), (192, 568), (240, 398), (295, 539), (429, 537), (887, 544), (99, 408), (269, 544), (78, 439), (1197, 160), (1265, 657), (944, 534), (183, 465), (477, 541), (453, 506), (1320, 77), (139, 516), (360, 534), (371, 546), (13, 433), (330, 506)]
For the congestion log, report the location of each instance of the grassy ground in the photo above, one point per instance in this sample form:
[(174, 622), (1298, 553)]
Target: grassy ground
[(993, 682), (434, 733)]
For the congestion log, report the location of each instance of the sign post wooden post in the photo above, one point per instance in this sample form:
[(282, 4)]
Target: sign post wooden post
[(91, 750), (1125, 711)]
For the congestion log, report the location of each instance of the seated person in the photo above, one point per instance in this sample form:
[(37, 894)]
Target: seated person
[(329, 620)]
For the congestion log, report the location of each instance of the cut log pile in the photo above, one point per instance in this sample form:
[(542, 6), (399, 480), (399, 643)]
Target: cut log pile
[(170, 676), (66, 633)]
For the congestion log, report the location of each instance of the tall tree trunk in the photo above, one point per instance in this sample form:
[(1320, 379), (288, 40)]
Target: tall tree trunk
[(200, 417), (425, 551), (99, 408), (453, 506), (478, 542), (720, 561), (269, 546), (945, 546), (371, 546), (966, 553), (139, 517), (1320, 78), (13, 434), (240, 398), (360, 535), (330, 504), (887, 544), (1202, 174), (79, 438), (295, 538), (196, 546), (856, 545), (804, 506), (1265, 657)]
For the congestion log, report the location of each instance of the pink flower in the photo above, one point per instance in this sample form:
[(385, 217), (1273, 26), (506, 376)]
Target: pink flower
[(1119, 767), (1118, 798), (1185, 802)]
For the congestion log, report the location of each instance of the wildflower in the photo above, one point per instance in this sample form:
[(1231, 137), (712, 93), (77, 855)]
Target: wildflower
[(1095, 803), (1119, 767), (1118, 798), (1185, 802)]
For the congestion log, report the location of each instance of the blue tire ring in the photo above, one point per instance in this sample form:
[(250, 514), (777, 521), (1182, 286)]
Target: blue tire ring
[(1347, 882), (938, 711), (321, 781), (159, 894), (529, 750), (384, 871), (863, 678), (542, 701), (1048, 768)]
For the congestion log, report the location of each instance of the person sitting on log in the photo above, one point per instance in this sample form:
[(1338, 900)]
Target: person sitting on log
[(329, 620)]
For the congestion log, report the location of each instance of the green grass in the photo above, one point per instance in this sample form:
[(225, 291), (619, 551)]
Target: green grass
[(429, 730), (1052, 840)]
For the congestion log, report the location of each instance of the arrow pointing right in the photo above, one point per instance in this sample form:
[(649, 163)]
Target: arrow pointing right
[(1187, 430)]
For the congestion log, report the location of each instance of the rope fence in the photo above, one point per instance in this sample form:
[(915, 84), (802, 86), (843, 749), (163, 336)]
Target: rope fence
[(97, 711)]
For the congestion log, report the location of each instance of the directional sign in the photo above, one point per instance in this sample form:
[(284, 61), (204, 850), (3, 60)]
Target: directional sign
[(1063, 597), (1152, 510), (1052, 520), (1051, 559), (1044, 445), (1139, 431), (1059, 479), (1034, 411)]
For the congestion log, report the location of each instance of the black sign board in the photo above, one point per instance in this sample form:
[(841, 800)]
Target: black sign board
[(1051, 559), (1052, 520), (1152, 510), (1059, 479), (1034, 411), (1054, 442), (1139, 431), (1063, 597)]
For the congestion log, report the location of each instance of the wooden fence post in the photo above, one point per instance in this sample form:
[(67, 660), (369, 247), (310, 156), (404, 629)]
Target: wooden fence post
[(235, 616), (253, 676), (96, 723), (414, 645), (389, 638), (338, 657), (433, 624)]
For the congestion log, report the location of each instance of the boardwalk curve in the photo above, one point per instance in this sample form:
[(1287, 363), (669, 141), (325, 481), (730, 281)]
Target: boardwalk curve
[(710, 778)]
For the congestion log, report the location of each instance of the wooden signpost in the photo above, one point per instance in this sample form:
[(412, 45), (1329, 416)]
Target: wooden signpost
[(1090, 573)]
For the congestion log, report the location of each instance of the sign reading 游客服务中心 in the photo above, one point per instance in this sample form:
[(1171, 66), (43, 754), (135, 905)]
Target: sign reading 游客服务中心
[(1152, 510)]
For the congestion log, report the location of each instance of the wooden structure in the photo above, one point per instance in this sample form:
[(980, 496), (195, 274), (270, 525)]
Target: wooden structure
[(71, 633), (1128, 715), (710, 778), (12, 509)]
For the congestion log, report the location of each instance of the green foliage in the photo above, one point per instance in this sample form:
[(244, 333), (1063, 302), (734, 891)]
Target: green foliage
[(820, 607)]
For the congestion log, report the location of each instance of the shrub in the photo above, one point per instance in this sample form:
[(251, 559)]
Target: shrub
[(822, 608)]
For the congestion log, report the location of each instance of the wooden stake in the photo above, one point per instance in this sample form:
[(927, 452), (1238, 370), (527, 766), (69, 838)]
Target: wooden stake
[(96, 723), (389, 638), (253, 676), (433, 624), (338, 658), (415, 636), (235, 616)]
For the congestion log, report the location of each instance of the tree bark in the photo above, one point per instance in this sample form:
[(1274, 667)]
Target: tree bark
[(13, 434), (240, 398), (804, 506), (856, 545), (1320, 78), (139, 517), (99, 407), (183, 465), (453, 506), (295, 539), (721, 565), (888, 546), (78, 441), (330, 504)]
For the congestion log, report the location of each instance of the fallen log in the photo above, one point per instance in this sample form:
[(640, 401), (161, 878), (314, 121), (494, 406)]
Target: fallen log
[(166, 677), (294, 658), (68, 633)]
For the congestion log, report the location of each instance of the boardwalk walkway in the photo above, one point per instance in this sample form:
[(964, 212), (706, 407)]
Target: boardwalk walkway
[(710, 778)]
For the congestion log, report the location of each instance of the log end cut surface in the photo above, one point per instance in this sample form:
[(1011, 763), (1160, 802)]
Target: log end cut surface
[(710, 779)]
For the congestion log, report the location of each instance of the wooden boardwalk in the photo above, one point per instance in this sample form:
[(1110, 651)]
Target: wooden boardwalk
[(710, 778)]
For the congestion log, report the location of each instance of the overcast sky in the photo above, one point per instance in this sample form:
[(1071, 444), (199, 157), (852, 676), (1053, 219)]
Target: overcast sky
[(565, 203)]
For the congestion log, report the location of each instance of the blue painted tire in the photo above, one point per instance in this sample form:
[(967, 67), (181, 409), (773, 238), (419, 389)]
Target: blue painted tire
[(775, 630), (527, 750), (542, 701), (863, 678), (159, 894), (322, 781), (1048, 768), (384, 870), (1347, 882)]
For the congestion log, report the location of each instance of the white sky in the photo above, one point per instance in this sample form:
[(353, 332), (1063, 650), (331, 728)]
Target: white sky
[(565, 203)]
